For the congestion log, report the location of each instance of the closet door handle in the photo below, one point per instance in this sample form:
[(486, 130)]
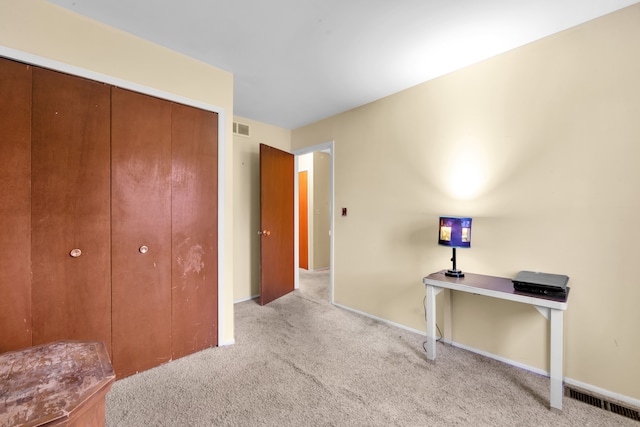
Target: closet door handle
[(75, 253), (144, 249)]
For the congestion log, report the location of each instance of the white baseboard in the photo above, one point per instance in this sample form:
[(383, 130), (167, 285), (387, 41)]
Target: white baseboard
[(587, 387), (246, 299), (501, 359), (397, 325)]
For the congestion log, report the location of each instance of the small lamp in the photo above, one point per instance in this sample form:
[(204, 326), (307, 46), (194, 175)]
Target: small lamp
[(454, 232)]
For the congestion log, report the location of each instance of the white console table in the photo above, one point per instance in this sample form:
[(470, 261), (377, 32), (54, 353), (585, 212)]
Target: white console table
[(552, 308)]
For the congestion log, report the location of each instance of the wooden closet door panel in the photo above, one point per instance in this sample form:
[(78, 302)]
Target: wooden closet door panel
[(15, 209), (71, 296), (194, 230), (141, 215)]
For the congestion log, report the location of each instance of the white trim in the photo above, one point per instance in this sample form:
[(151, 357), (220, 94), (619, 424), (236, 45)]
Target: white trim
[(380, 319), (221, 224), (104, 78), (587, 387), (325, 146), (246, 299), (500, 359), (231, 341), (296, 225), (81, 72)]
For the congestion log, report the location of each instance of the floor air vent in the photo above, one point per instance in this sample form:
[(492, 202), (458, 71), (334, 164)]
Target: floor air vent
[(624, 411), (592, 400)]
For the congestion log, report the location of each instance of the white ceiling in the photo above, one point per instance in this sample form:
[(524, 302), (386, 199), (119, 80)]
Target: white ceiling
[(299, 61)]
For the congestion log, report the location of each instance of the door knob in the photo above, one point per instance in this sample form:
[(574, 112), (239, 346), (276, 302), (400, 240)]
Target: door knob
[(264, 233), (75, 253), (143, 249)]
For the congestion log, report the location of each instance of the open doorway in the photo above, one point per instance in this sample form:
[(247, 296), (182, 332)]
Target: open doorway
[(314, 211), (317, 161), (303, 210)]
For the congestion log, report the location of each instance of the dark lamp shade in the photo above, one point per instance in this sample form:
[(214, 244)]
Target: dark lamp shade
[(455, 232)]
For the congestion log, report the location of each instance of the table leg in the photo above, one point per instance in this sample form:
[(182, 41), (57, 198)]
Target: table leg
[(431, 322), (555, 371), (447, 325)]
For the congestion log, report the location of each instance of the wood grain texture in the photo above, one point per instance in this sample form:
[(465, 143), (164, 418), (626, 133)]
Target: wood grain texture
[(70, 164), (276, 217), (141, 216), (194, 320), (15, 209), (99, 179)]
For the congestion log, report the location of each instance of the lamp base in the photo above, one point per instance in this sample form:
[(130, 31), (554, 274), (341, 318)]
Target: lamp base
[(454, 273)]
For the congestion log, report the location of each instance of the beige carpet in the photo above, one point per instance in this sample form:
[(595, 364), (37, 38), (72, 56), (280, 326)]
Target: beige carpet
[(300, 361)]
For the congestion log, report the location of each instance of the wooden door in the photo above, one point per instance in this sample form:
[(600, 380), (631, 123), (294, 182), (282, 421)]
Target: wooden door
[(194, 324), (15, 208), (303, 222), (70, 208), (141, 231), (276, 223)]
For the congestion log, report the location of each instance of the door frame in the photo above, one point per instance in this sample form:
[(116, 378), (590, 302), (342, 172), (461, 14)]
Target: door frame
[(40, 61), (326, 147)]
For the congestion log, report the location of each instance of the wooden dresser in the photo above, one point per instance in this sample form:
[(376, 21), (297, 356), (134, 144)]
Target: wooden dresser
[(61, 383)]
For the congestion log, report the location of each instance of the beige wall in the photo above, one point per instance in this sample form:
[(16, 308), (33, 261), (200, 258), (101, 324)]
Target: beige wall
[(39, 29), (321, 241), (548, 135), (541, 146), (246, 200)]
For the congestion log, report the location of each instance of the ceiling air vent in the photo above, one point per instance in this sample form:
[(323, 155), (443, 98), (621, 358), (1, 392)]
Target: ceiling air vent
[(240, 129)]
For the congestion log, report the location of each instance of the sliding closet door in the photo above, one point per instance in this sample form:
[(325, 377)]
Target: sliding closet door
[(70, 208), (141, 231), (15, 209), (194, 230)]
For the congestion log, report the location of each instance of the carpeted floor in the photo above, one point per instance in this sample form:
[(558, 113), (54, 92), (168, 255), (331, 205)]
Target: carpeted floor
[(300, 361)]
